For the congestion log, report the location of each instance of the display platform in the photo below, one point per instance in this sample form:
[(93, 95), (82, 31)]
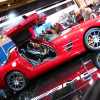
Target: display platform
[(65, 83)]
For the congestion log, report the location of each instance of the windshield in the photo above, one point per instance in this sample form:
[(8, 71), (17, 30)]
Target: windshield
[(6, 44)]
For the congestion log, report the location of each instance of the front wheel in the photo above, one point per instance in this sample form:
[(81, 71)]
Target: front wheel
[(16, 81), (92, 39)]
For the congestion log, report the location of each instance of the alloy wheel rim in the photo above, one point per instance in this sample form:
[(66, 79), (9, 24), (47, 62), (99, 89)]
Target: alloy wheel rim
[(93, 39), (16, 81)]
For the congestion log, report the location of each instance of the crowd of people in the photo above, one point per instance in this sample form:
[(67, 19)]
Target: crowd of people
[(66, 20), (82, 14), (42, 27)]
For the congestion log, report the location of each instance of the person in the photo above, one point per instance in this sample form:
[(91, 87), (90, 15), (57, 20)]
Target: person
[(93, 15), (42, 27), (54, 32), (65, 20), (39, 28), (58, 28), (73, 17), (79, 17), (85, 12)]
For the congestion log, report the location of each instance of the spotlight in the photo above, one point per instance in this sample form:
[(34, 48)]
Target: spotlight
[(11, 16)]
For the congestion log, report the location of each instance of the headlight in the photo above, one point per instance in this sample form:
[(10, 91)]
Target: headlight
[(14, 64)]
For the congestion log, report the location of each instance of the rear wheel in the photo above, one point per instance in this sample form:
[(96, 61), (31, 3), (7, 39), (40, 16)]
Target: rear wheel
[(92, 39), (16, 81)]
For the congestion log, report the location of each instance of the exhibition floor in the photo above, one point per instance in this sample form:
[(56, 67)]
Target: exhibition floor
[(53, 85)]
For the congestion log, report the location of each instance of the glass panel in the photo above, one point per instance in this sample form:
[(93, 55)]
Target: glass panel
[(5, 45), (3, 57), (8, 46)]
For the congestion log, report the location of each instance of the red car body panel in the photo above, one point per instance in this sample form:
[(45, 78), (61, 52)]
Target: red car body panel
[(18, 63)]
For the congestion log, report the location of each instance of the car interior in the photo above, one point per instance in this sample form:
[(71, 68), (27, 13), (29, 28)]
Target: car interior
[(34, 55)]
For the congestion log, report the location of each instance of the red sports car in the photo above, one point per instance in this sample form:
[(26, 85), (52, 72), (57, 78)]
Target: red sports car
[(21, 59)]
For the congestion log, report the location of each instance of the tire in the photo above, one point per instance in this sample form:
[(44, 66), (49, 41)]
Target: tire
[(96, 60), (26, 95), (92, 39), (16, 81)]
